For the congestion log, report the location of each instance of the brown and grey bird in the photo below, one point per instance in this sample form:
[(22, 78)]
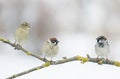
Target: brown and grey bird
[(22, 33), (50, 48), (102, 47)]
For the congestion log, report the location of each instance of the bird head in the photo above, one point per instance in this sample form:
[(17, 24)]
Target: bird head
[(25, 25), (101, 39), (54, 41)]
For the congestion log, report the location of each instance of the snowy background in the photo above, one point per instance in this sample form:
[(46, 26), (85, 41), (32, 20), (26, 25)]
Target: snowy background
[(76, 24)]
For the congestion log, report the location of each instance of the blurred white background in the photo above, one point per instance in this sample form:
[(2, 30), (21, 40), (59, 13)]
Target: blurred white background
[(76, 23)]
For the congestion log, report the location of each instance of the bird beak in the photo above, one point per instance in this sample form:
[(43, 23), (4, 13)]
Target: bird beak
[(29, 26), (56, 42), (96, 38)]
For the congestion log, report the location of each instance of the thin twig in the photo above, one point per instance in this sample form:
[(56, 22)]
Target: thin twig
[(26, 72)]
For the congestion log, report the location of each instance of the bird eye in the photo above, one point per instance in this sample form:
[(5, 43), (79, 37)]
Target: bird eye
[(53, 41), (47, 41)]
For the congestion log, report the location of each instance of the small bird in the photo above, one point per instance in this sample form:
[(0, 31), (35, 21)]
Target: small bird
[(50, 48), (102, 47), (22, 33)]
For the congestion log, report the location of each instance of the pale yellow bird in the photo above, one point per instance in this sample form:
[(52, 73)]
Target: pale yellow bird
[(50, 48), (22, 33)]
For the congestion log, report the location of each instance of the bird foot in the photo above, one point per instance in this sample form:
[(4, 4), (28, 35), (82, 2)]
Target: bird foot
[(100, 62), (106, 59), (18, 47), (64, 57)]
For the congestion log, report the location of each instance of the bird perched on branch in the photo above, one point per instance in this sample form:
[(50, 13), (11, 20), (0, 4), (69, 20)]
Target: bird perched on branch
[(50, 48), (102, 48), (22, 33)]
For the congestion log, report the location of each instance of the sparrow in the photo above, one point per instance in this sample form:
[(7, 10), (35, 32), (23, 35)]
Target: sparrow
[(22, 33), (50, 48), (102, 47)]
